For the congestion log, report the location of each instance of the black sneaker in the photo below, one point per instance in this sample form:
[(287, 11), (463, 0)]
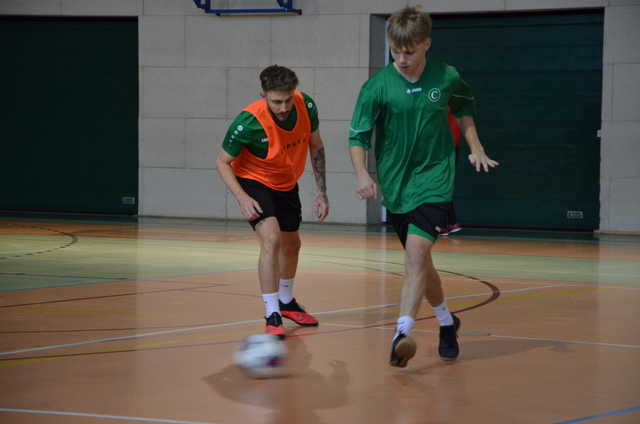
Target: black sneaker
[(402, 349), (297, 314), (448, 349), (274, 325)]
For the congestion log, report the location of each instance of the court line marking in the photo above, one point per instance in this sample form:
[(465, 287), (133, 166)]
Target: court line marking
[(531, 339), (132, 336), (72, 236), (125, 280), (328, 312), (173, 331), (605, 414), (349, 326), (227, 324), (541, 339), (110, 417)]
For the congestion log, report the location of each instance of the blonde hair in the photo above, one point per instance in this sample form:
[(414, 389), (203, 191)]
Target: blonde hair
[(408, 26)]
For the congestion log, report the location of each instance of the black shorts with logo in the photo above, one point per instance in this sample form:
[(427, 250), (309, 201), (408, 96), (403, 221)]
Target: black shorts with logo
[(429, 217), (285, 206)]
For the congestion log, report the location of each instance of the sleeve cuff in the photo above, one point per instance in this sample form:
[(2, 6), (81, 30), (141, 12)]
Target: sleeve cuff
[(359, 143)]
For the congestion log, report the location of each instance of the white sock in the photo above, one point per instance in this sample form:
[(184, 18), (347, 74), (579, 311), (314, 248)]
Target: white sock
[(404, 326), (286, 290), (443, 314), (271, 303)]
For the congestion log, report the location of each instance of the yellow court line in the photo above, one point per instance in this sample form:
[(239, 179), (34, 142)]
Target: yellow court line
[(27, 361), (124, 348), (96, 311), (453, 305)]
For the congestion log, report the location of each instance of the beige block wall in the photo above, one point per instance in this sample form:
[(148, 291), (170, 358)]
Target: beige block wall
[(197, 71)]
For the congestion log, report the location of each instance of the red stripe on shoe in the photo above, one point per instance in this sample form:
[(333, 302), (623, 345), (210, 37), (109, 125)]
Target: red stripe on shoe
[(274, 331), (300, 318)]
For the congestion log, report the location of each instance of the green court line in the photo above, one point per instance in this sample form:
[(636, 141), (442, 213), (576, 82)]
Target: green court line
[(135, 259)]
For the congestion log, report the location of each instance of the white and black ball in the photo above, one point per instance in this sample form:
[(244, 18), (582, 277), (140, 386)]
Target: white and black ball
[(262, 356)]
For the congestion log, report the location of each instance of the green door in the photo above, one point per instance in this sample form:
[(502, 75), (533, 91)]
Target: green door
[(69, 115), (537, 79)]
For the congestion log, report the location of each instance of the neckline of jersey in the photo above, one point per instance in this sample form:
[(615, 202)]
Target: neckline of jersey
[(403, 78), (293, 116)]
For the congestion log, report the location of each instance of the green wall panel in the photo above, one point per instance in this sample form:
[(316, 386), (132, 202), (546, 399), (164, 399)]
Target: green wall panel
[(69, 114), (537, 79)]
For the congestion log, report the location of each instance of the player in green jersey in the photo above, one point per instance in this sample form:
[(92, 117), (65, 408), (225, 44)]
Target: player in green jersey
[(407, 104)]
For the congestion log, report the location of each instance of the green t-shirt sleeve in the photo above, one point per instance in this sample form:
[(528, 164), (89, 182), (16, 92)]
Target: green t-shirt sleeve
[(243, 132), (312, 108), (365, 115), (462, 102)]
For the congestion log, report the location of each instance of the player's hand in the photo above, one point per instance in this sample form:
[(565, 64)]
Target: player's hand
[(480, 160), (366, 187), (321, 206), (249, 208)]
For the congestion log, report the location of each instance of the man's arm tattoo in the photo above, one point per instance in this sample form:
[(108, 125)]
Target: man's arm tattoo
[(319, 170)]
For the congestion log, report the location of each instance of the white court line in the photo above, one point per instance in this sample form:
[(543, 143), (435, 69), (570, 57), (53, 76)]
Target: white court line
[(536, 339), (463, 296), (531, 339), (133, 336), (174, 331), (228, 324), (110, 417)]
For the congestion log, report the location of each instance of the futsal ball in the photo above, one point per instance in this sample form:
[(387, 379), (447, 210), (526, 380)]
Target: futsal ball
[(262, 356)]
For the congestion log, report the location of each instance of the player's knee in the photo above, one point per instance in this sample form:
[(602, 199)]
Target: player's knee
[(293, 244), (417, 253), (271, 241)]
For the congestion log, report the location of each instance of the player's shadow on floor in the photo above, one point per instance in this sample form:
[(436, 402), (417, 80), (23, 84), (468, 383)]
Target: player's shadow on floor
[(291, 399), (491, 348)]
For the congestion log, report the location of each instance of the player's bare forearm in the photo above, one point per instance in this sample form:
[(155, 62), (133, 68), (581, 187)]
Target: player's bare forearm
[(249, 207), (223, 165), (358, 155), (366, 188), (319, 166), (318, 163), (478, 158), (470, 133)]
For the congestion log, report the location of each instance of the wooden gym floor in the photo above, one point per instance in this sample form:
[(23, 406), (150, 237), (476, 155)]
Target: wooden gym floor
[(108, 321)]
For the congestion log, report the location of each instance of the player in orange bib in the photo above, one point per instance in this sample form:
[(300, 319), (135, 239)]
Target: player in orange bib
[(262, 157)]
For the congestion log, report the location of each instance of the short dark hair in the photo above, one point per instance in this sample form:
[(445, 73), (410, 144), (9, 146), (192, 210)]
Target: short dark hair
[(277, 77)]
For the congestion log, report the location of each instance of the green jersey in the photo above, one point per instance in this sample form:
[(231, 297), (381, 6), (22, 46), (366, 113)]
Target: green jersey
[(414, 151), (252, 135)]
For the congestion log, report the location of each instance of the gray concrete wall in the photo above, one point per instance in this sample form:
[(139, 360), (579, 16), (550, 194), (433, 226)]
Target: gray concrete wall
[(197, 71), (620, 149)]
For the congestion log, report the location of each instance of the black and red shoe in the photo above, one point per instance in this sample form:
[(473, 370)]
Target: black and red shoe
[(297, 314), (274, 325)]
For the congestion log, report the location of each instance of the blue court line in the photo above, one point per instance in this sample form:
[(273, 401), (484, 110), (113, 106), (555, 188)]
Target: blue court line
[(606, 414)]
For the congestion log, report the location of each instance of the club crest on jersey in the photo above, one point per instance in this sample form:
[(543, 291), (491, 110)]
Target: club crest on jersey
[(434, 95)]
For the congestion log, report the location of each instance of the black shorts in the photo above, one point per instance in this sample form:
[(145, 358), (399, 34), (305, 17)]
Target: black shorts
[(285, 206), (428, 217)]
